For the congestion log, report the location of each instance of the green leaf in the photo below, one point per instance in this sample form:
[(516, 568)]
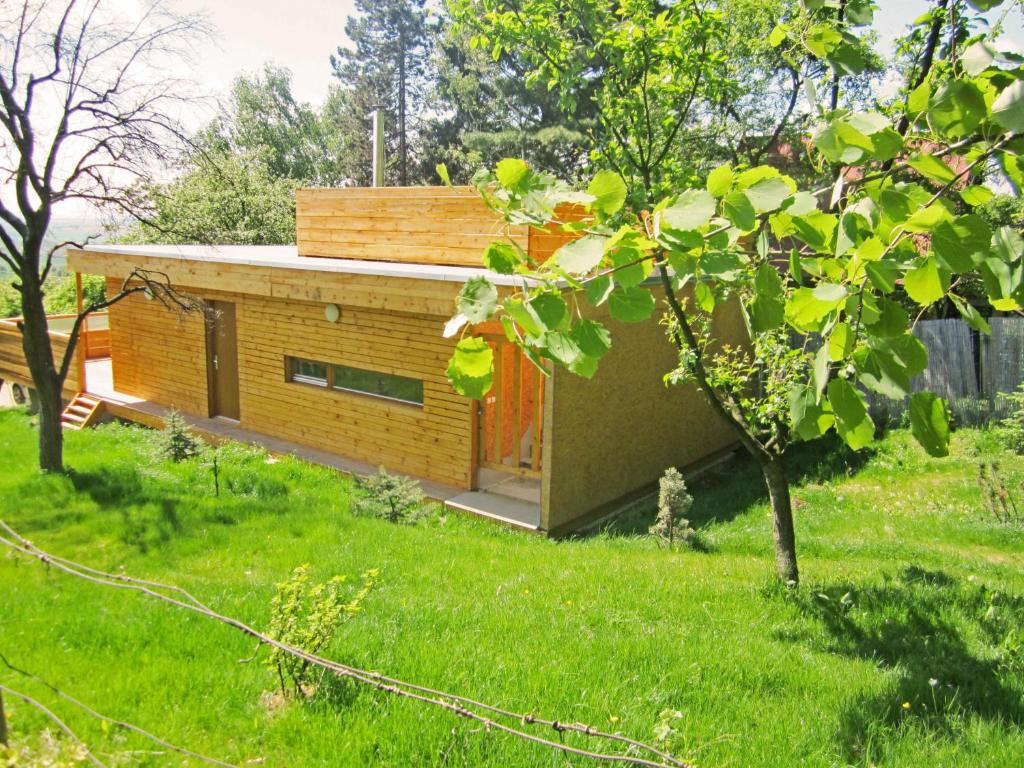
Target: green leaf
[(720, 180), (917, 99), (1007, 244), (931, 167), (511, 172), (631, 305), (442, 172), (502, 258), (609, 191), (929, 423), (691, 210), (580, 256), (1008, 108), (561, 347), (961, 243), (591, 337), (926, 219), (550, 309), (886, 365), (840, 342), (822, 370), (477, 300), (768, 194), (471, 367), (598, 290), (957, 108), (853, 423), (808, 414), (883, 275), (817, 229), (892, 319), (524, 316), (775, 38), (971, 315), (740, 212), (977, 58), (805, 311), (925, 284), (976, 195), (767, 310)]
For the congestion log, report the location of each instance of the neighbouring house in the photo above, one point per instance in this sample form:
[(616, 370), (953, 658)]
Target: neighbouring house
[(333, 349)]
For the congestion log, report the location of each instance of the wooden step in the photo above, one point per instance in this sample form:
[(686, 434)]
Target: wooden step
[(81, 411)]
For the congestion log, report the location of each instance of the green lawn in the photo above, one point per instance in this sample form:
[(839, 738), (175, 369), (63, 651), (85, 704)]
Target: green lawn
[(903, 647)]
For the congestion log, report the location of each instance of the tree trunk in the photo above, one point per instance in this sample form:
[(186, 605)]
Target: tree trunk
[(45, 379), (782, 519), (402, 149), (3, 723)]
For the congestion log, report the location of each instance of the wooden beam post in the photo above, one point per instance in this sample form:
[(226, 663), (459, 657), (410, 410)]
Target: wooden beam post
[(83, 342)]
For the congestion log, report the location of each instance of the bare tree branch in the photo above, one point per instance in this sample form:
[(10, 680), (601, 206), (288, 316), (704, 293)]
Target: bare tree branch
[(112, 721), (458, 705)]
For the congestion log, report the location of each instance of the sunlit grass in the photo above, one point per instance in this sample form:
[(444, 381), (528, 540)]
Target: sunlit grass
[(907, 580)]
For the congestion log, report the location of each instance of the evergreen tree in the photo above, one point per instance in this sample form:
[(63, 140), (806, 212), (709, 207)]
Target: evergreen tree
[(386, 69)]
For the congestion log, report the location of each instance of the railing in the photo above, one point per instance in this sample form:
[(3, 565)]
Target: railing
[(95, 343)]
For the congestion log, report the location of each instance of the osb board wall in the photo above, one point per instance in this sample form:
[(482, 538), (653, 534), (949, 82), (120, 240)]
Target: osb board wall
[(157, 354), (12, 356), (433, 441), (619, 431), (422, 225)]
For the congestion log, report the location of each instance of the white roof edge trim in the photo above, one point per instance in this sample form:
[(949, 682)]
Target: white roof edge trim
[(287, 257)]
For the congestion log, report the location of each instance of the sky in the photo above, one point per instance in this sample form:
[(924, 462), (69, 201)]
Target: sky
[(302, 34)]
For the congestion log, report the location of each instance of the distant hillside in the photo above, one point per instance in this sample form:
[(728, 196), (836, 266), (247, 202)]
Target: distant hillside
[(75, 229)]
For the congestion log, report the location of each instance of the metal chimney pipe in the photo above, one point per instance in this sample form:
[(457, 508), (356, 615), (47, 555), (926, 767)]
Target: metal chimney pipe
[(378, 147)]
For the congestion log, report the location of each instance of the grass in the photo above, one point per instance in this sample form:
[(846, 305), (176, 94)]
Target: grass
[(903, 647)]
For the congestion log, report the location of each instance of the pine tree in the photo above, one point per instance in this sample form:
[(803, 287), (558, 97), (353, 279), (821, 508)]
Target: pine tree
[(386, 69)]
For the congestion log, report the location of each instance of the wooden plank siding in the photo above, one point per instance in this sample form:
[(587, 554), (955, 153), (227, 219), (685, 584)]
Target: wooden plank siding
[(421, 225), (392, 294), (13, 365), (160, 356)]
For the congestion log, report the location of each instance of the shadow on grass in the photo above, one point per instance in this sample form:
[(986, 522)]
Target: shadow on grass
[(149, 516), (954, 648), (731, 489)]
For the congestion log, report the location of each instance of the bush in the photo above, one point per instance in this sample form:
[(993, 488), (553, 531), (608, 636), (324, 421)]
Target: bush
[(674, 501), (1011, 428), (176, 442), (394, 498), (306, 616)]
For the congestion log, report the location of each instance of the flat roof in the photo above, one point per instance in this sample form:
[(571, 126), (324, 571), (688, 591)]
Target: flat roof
[(287, 257)]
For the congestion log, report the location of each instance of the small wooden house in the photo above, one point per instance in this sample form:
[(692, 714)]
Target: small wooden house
[(333, 348)]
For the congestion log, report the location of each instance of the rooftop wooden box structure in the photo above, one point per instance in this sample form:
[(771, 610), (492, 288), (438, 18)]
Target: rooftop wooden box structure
[(333, 349)]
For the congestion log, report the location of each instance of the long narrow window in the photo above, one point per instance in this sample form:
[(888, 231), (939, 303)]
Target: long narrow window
[(348, 379)]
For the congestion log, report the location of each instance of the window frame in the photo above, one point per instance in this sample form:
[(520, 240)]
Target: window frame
[(293, 377)]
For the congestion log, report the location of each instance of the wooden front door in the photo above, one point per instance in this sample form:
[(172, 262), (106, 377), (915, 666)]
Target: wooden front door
[(222, 360), (511, 415)]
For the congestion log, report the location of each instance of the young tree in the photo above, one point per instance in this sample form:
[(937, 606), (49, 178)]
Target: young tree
[(86, 106), (822, 263), (386, 70)]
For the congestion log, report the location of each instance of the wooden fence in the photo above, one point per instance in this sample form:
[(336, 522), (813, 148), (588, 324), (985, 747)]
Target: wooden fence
[(968, 369)]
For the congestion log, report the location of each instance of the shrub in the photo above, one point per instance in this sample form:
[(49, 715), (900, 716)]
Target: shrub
[(176, 442), (674, 501), (394, 498), (1011, 428), (306, 616)]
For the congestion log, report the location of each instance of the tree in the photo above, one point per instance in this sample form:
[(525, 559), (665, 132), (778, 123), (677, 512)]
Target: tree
[(486, 111), (386, 70), (226, 197), (821, 263), (262, 118), (86, 114)]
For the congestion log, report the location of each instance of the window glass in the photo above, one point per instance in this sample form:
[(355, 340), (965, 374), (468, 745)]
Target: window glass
[(309, 372), (379, 384)]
